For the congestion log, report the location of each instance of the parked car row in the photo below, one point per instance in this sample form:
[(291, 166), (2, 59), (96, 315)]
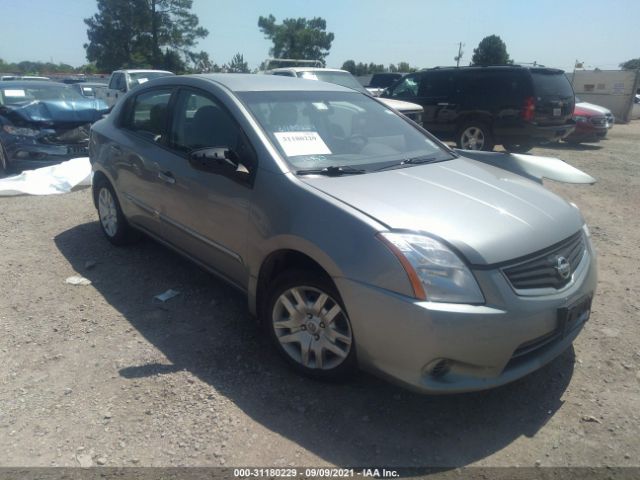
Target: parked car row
[(359, 238), (480, 107), (43, 122), (346, 79)]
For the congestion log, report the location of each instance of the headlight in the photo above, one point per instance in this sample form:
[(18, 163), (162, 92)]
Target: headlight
[(21, 132), (436, 273), (580, 119)]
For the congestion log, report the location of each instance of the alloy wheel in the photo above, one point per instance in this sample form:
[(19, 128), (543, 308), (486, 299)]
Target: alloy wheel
[(108, 212), (312, 328), (472, 138)]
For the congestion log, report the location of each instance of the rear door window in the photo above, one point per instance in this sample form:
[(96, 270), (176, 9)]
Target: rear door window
[(148, 114), (437, 84)]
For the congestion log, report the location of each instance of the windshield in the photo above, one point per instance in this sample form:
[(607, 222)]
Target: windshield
[(14, 95), (138, 78), (315, 130), (339, 78)]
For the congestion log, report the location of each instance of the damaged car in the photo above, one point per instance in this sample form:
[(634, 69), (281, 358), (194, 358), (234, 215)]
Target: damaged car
[(43, 123)]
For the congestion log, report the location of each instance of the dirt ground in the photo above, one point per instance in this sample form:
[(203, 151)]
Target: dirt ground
[(105, 375)]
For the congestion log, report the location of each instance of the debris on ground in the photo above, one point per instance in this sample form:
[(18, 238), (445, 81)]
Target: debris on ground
[(77, 280), (168, 295)]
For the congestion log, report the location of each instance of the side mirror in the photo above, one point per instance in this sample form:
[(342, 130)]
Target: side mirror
[(216, 158)]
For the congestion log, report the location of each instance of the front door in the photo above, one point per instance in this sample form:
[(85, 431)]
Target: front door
[(204, 208)]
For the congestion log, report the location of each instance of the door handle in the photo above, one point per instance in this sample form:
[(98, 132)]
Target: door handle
[(443, 104), (167, 177)]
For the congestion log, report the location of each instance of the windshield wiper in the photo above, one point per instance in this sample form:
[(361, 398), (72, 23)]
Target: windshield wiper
[(332, 171), (411, 161)]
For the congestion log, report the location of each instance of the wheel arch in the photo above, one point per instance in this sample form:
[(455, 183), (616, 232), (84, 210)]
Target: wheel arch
[(278, 262)]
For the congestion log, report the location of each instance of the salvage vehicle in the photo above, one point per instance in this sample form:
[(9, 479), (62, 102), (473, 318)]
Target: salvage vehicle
[(592, 123), (43, 123), (359, 238), (480, 107), (121, 81), (346, 79), (90, 89)]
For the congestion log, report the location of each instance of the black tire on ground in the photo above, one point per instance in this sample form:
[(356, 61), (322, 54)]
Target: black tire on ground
[(517, 147), (475, 135), (4, 163), (120, 233), (310, 285)]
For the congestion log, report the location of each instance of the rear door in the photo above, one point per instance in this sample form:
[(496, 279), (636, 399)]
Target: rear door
[(554, 97), (141, 156)]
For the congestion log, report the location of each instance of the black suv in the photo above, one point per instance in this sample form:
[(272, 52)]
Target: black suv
[(479, 107)]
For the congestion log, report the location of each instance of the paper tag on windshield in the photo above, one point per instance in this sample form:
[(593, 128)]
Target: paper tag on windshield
[(142, 80), (302, 143), (14, 93)]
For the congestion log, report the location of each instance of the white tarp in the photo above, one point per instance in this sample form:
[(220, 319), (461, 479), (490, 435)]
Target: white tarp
[(62, 178)]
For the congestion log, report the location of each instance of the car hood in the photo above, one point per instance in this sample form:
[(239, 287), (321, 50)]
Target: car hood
[(489, 214), (53, 112), (401, 105), (591, 106)]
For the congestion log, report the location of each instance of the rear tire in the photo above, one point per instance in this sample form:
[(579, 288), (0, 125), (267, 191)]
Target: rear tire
[(113, 223), (308, 324), (517, 147), (475, 136)]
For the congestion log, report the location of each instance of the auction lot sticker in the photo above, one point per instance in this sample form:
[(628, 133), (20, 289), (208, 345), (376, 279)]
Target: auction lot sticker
[(302, 143)]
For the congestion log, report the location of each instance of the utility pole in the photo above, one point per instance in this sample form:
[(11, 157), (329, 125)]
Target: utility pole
[(460, 53)]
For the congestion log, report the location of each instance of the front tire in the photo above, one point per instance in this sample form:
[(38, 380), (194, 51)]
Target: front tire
[(518, 147), (113, 223), (475, 136), (309, 325)]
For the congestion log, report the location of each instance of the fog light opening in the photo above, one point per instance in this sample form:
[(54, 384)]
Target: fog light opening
[(439, 368)]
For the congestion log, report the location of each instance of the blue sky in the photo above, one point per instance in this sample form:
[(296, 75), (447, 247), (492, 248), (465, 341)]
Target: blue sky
[(424, 33)]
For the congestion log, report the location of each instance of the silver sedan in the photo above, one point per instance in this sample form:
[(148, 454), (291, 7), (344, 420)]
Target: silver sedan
[(359, 239)]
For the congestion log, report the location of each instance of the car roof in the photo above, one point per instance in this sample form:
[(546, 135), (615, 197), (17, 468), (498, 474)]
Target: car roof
[(472, 68), (306, 69), (31, 83), (251, 82), (144, 71)]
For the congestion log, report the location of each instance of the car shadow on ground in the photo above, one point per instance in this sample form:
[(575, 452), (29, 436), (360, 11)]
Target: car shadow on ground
[(571, 146), (207, 331)]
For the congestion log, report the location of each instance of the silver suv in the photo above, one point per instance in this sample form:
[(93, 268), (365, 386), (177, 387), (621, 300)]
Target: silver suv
[(359, 239)]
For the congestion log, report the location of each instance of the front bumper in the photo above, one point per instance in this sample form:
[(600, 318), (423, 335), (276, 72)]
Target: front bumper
[(526, 133), (588, 134), (404, 339), (23, 156)]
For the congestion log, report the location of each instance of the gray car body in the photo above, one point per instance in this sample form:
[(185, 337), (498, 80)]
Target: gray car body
[(487, 214)]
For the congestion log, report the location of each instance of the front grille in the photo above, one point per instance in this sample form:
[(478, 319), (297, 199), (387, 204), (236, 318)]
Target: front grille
[(598, 121), (610, 119), (544, 269), (68, 136)]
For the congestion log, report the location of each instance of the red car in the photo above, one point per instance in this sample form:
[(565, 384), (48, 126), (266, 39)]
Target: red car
[(592, 123)]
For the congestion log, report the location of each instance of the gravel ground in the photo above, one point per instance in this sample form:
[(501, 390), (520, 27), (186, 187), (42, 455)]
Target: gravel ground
[(103, 374)]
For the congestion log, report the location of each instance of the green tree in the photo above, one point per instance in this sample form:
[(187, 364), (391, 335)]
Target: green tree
[(633, 64), (349, 66), (238, 65), (138, 33), (297, 38), (491, 51)]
